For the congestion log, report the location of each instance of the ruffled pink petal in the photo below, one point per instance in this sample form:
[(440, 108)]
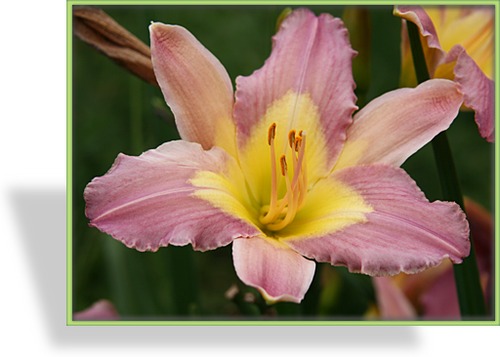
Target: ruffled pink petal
[(196, 87), (395, 125), (478, 92), (100, 310), (404, 233), (392, 302), (279, 273), (148, 201), (310, 56), (434, 54)]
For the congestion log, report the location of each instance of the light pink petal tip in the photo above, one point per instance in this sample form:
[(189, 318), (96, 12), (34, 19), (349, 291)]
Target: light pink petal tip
[(395, 125), (100, 310), (391, 301), (195, 84), (479, 93), (311, 55), (432, 47), (440, 300), (147, 201), (279, 273), (404, 233)]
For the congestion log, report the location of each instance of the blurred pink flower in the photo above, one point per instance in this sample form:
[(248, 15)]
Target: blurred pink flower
[(432, 294), (100, 310), (458, 45)]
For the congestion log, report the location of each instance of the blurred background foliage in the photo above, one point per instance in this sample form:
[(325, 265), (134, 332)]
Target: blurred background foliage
[(114, 112)]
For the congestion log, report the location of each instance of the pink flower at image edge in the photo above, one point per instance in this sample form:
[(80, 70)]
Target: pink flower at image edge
[(458, 44), (99, 311), (432, 293)]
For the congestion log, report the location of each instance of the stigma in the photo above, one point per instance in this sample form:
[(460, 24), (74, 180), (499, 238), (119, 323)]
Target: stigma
[(281, 211)]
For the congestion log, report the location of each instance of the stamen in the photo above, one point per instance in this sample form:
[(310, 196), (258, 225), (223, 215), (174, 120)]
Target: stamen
[(300, 148), (291, 138), (271, 133), (291, 209), (281, 212), (303, 171), (297, 143), (274, 180), (283, 165)]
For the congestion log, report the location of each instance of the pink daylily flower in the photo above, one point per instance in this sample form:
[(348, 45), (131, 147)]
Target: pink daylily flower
[(458, 45), (281, 169)]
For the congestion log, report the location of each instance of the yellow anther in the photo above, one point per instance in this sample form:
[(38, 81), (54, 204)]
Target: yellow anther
[(271, 133), (291, 138), (298, 143), (283, 165)]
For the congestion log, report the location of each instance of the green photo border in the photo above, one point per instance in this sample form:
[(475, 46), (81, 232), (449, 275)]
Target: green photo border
[(69, 152)]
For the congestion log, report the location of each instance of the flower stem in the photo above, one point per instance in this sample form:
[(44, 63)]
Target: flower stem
[(470, 296)]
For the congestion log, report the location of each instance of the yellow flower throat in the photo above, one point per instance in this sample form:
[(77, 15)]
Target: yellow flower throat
[(290, 198), (281, 212)]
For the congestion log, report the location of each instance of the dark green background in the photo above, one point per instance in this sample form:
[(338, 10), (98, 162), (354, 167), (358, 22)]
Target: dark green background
[(114, 112)]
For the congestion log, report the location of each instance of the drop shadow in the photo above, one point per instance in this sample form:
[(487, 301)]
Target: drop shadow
[(41, 216)]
